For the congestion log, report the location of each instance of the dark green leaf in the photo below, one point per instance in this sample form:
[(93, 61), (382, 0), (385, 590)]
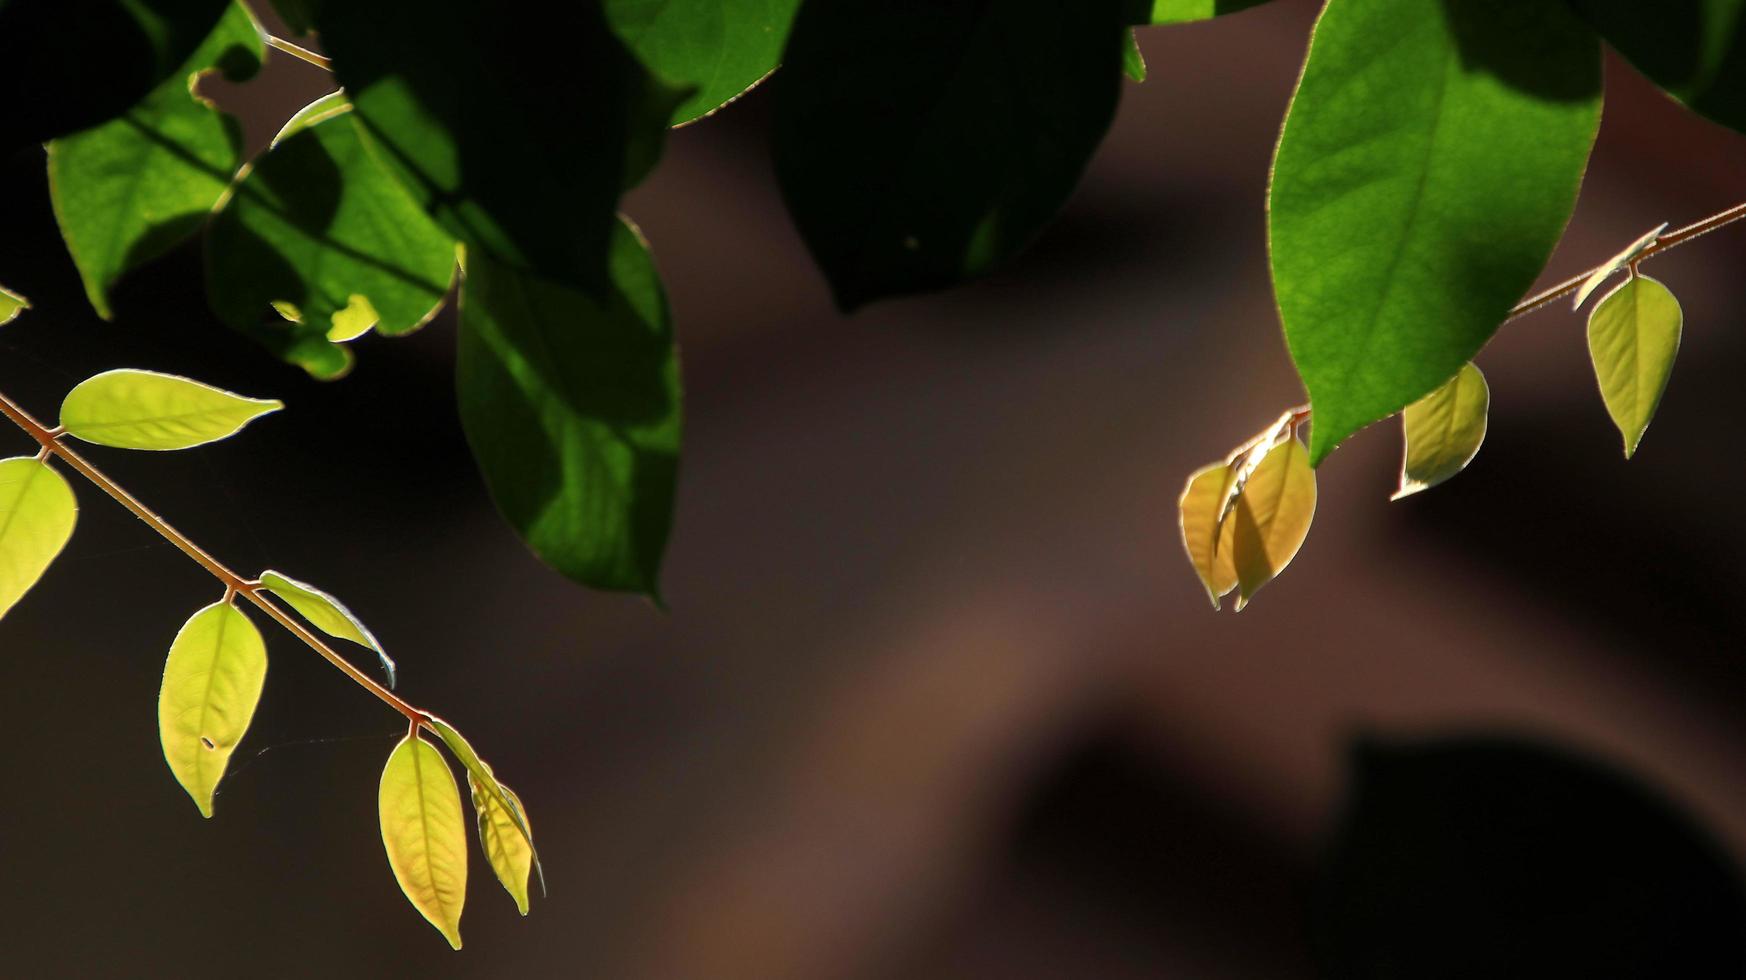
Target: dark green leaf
[(1695, 49), (320, 225), (72, 64), (920, 144), (572, 408), (1429, 162), (721, 47), (131, 189), (516, 125)]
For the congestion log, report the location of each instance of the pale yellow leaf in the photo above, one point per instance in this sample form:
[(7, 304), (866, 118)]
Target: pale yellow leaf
[(1206, 539), (479, 771), (133, 409), (37, 514), (212, 682), (1633, 335), (1443, 431), (424, 833), (10, 305), (327, 614), (1272, 517), (1607, 269)]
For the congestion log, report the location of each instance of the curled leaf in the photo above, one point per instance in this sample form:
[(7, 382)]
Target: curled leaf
[(327, 614), (212, 682), (424, 833), (479, 772), (1272, 517), (132, 409), (510, 854), (1633, 335), (11, 304), (37, 514), (1443, 431), (1205, 535), (1614, 264)]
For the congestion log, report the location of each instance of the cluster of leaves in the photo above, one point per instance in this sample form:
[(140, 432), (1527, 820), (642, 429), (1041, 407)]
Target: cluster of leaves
[(217, 664), (1428, 164)]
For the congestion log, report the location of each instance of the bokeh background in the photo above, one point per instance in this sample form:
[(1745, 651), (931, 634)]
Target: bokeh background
[(938, 695)]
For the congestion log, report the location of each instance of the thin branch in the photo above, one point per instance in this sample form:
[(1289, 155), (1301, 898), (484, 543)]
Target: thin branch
[(301, 53), (234, 584)]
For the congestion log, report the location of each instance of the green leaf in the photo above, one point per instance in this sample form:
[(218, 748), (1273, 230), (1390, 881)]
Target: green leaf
[(11, 304), (132, 409), (1428, 165), (1206, 534), (319, 224), (72, 64), (722, 48), (1695, 49), (516, 127), (1443, 431), (1615, 264), (37, 514), (482, 778), (212, 682), (130, 190), (1633, 335), (1272, 517), (425, 834), (500, 835), (327, 614), (920, 144), (1133, 61), (571, 407), (1185, 11)]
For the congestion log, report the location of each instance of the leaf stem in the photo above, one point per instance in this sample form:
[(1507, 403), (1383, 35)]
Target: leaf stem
[(1551, 294), (301, 53), (50, 441)]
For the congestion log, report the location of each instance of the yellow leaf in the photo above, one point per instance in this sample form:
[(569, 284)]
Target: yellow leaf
[(352, 320), (132, 409), (1272, 517), (500, 834), (424, 833), (1605, 271), (1443, 431), (1633, 335), (327, 614), (212, 682), (480, 777), (37, 514), (1206, 539), (10, 305)]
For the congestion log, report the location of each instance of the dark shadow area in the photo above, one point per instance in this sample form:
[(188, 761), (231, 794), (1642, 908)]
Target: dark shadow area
[(1502, 857), (1536, 46)]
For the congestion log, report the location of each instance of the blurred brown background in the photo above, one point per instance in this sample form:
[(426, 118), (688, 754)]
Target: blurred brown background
[(938, 695)]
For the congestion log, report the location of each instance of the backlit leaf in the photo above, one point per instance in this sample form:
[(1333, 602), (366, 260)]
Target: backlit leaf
[(1615, 264), (72, 64), (921, 144), (516, 126), (425, 834), (500, 835), (131, 189), (37, 514), (1185, 11), (1633, 335), (1133, 61), (1443, 431), (326, 613), (1695, 49), (719, 47), (319, 224), (1272, 517), (572, 407), (11, 304), (1428, 164), (1204, 536), (132, 409), (480, 772), (212, 682)]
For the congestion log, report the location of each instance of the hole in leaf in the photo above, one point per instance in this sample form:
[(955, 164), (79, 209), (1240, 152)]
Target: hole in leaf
[(207, 742)]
